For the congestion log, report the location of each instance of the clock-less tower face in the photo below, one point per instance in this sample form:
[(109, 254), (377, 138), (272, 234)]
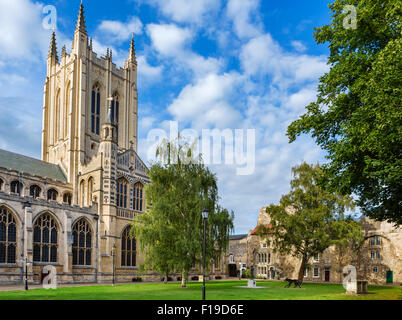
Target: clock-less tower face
[(79, 89)]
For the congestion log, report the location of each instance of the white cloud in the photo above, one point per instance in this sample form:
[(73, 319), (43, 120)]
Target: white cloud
[(117, 31), (168, 39), (146, 71), (262, 55), (298, 46), (22, 35), (205, 103), (193, 11), (244, 14)]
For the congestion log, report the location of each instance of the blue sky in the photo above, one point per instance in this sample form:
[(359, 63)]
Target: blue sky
[(249, 64)]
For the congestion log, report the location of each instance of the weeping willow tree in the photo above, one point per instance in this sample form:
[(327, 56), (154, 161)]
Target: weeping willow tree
[(170, 233)]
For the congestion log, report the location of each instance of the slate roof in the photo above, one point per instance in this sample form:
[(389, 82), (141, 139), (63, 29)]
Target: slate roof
[(238, 236), (20, 163)]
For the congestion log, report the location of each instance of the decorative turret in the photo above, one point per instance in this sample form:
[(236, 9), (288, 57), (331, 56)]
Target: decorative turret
[(53, 49), (81, 20), (131, 56)]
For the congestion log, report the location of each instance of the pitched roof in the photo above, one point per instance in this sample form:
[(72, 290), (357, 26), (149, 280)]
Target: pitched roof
[(18, 162), (238, 236), (266, 226)]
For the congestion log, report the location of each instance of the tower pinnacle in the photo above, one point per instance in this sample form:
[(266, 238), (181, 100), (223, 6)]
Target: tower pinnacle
[(131, 56), (53, 47), (81, 20)]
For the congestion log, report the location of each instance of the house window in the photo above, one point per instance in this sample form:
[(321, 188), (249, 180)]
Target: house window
[(8, 236), (122, 186), (375, 269), (372, 254), (316, 257), (305, 273), (128, 249), (138, 196), (34, 191), (378, 255), (95, 110), (45, 235), (372, 241), (82, 243), (52, 194), (269, 258), (115, 112), (378, 240), (1, 184), (316, 272), (231, 258), (264, 245), (16, 187)]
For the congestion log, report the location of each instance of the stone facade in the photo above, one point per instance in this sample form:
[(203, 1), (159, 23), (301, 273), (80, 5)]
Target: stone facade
[(90, 164), (379, 260)]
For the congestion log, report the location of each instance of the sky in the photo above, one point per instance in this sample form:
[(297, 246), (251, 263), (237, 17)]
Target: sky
[(208, 64)]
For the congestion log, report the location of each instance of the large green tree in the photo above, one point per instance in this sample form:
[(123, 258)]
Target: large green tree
[(171, 231), (357, 117), (309, 219)]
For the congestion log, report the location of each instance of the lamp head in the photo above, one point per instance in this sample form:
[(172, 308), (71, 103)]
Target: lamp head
[(205, 213)]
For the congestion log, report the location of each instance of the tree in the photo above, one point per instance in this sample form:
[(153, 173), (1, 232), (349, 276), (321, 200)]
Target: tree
[(171, 231), (309, 219), (357, 116)]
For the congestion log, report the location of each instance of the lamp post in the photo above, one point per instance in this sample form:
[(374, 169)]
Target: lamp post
[(204, 213), (113, 255)]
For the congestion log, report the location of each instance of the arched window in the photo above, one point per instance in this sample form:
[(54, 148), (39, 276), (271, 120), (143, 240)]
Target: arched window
[(90, 190), (95, 109), (128, 249), (138, 197), (82, 243), (82, 193), (45, 239), (52, 194), (8, 236), (16, 187), (67, 198), (115, 112), (122, 186), (1, 184), (34, 191)]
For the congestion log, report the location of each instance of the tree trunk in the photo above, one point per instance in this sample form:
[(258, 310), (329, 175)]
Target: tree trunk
[(166, 278), (302, 267), (183, 279)]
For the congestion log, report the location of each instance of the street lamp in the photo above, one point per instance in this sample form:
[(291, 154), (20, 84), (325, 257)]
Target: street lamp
[(113, 255), (25, 261), (204, 213)]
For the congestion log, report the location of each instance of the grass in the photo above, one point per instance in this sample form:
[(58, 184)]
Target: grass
[(216, 290)]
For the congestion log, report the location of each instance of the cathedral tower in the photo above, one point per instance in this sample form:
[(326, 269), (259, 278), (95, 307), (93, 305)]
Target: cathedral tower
[(78, 89)]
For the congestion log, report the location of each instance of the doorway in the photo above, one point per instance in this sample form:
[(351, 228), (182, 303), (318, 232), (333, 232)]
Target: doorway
[(390, 276), (327, 275), (232, 270)]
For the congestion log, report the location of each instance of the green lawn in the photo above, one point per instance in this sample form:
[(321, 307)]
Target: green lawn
[(218, 290)]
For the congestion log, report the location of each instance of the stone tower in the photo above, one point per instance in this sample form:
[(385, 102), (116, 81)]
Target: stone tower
[(78, 89)]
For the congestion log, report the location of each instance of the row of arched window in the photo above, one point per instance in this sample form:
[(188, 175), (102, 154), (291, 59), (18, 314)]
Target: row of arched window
[(95, 110), (35, 191), (46, 240), (86, 190), (122, 195)]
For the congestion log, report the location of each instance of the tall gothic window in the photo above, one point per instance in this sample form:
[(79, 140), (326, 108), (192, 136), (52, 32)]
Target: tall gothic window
[(115, 112), (82, 193), (34, 191), (52, 194), (8, 236), (95, 110), (138, 197), (67, 198), (90, 190), (66, 109), (122, 186), (128, 249), (45, 239), (82, 243), (57, 122), (16, 187)]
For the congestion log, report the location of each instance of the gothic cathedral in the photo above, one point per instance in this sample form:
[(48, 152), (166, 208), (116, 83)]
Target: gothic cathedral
[(72, 209)]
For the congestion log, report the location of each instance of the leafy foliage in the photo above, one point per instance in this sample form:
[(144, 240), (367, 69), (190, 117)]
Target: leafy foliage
[(357, 117), (171, 231), (309, 219)]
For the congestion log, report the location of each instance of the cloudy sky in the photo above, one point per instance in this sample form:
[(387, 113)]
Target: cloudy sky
[(208, 64)]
